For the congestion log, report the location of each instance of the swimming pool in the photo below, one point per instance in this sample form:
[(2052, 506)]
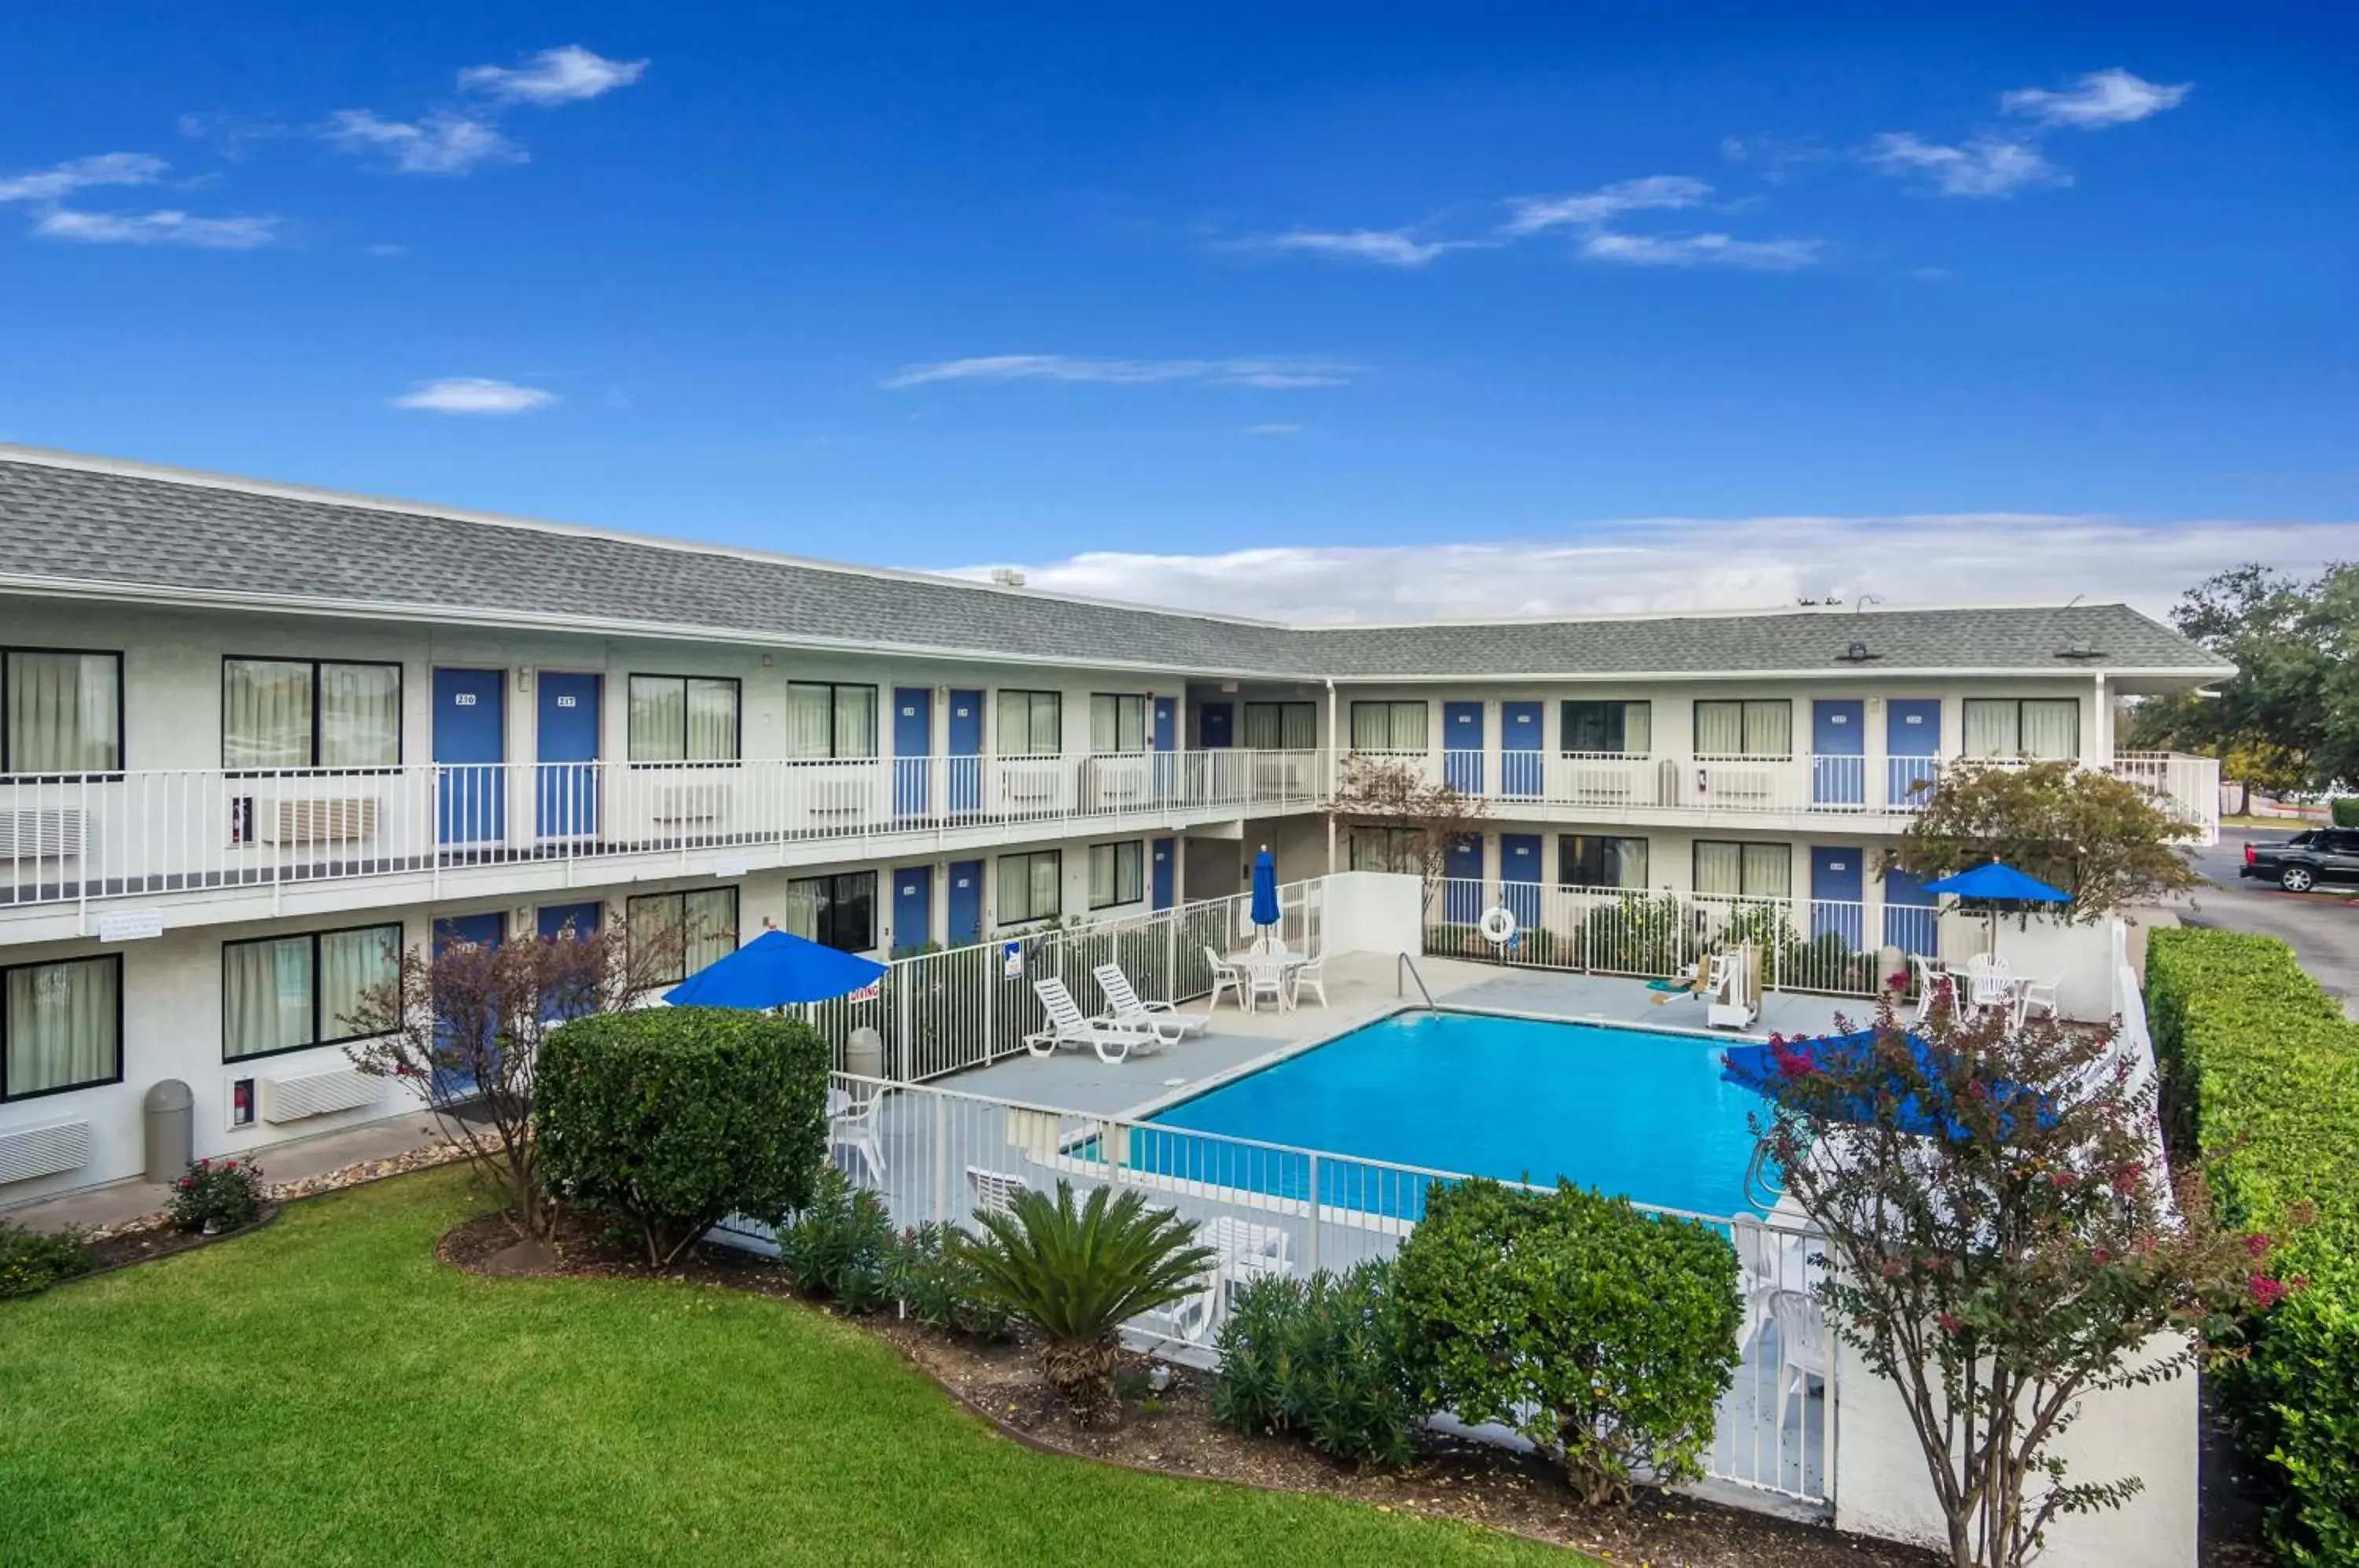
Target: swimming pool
[(1626, 1111)]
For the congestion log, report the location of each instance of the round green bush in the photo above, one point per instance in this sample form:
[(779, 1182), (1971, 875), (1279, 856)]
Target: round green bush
[(676, 1118), (1572, 1318)]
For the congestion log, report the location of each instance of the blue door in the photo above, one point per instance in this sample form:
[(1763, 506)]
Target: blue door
[(565, 733), (1912, 739), (1166, 738), (470, 748), (913, 908), (1911, 923), (579, 920), (913, 748), (1838, 752), (1167, 870), (965, 902), (1520, 878), (1520, 750), (484, 931), (1463, 867), (1835, 884), (966, 751), (1217, 724), (1462, 747)]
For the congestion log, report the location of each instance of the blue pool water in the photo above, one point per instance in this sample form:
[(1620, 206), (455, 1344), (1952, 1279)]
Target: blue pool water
[(1642, 1115)]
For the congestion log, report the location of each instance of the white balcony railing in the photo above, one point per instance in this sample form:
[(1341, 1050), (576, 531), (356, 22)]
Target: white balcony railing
[(143, 833)]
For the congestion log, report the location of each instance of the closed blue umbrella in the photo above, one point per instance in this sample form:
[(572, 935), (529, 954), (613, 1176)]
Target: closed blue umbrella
[(1265, 890), (774, 970)]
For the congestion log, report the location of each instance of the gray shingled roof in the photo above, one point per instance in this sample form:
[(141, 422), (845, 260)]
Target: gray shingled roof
[(69, 522)]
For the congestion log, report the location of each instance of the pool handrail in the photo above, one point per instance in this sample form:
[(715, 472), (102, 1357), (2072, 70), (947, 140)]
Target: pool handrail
[(1405, 962)]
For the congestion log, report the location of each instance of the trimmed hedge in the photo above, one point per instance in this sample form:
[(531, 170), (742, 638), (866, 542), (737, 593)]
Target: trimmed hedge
[(2263, 1068), (1575, 1319), (2346, 811), (677, 1117)]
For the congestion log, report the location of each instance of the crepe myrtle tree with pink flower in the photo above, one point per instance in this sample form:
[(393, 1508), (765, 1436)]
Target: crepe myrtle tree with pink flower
[(2001, 1242)]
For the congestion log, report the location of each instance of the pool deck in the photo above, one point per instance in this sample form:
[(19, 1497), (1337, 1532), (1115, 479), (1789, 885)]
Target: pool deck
[(1360, 990)]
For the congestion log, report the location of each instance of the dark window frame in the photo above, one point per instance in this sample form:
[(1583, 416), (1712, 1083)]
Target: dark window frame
[(1565, 840), (5, 969), (1283, 706), (1146, 723), (1137, 847), (737, 720), (1030, 694), (1399, 851), (1564, 726), (1740, 705), (999, 881), (833, 688), (122, 717), (400, 716), (736, 917), (1966, 705), (1352, 720), (1695, 863), (831, 879), (401, 936)]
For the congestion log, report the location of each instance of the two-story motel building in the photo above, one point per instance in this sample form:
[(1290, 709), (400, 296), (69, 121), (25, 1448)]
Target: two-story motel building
[(254, 737)]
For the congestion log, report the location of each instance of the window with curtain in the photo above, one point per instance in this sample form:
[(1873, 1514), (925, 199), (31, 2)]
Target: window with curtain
[(1118, 722), (838, 911), (1031, 723), (831, 721), (2042, 729), (287, 993), (1031, 886), (1608, 729), (64, 712), (1389, 726), (692, 929), (294, 712), (1732, 870), (1592, 860), (684, 718), (61, 1026), (1385, 849), (1118, 874), (1749, 728), (1281, 726)]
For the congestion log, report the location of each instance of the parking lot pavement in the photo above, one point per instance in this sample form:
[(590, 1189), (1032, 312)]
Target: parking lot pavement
[(2323, 927)]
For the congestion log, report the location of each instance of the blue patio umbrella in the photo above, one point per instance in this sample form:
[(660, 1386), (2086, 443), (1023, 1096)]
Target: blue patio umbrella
[(1999, 885), (1755, 1067), (1265, 890), (773, 971)]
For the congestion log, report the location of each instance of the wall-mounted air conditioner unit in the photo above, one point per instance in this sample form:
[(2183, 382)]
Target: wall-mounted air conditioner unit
[(687, 803), (45, 1150), (292, 1099), (339, 821), (40, 833)]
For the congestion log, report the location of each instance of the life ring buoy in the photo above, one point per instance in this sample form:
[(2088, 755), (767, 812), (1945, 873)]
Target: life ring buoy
[(1498, 925)]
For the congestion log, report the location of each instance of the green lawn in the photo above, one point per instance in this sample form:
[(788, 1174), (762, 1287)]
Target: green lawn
[(324, 1392)]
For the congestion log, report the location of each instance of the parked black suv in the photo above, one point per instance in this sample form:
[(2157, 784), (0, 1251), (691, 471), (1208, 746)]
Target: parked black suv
[(2303, 861)]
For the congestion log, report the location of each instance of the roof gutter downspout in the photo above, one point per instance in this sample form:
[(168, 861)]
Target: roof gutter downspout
[(1330, 791)]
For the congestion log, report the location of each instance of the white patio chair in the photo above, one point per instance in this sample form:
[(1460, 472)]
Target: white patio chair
[(1990, 981), (1767, 1262), (992, 1191), (1933, 983), (1309, 976), (1241, 1253), (1068, 1025), (1125, 1008), (1803, 1351), (1265, 976), (852, 1127), (1226, 976), (2041, 994)]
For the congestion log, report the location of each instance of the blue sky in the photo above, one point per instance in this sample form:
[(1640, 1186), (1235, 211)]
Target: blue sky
[(1302, 310)]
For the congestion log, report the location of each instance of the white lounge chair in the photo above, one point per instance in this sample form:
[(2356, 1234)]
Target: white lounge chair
[(1068, 1025), (1125, 1008), (1309, 976), (1225, 977), (852, 1127)]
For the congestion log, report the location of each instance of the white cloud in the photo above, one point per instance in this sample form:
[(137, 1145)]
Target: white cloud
[(1987, 166), (2099, 99), (440, 144), (1670, 564), (232, 135), (1531, 214), (1268, 373), (160, 228), (1701, 250), (1390, 247), (79, 173), (473, 395), (563, 75)]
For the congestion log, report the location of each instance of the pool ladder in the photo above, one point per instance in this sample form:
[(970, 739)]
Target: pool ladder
[(1761, 1186), (1404, 967)]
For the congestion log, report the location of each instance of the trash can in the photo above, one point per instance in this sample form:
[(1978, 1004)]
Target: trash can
[(863, 1053), (171, 1130)]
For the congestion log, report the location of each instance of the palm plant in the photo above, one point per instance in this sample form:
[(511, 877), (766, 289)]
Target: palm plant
[(1076, 1274)]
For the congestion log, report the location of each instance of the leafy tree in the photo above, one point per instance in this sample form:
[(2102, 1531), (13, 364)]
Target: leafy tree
[(1422, 818), (2103, 839), (1999, 1251), (1077, 1275), (462, 1027)]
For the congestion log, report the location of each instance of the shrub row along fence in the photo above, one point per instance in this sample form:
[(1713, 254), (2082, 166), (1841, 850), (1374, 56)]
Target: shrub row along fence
[(938, 1156), (1806, 944), (2262, 1071), (940, 1013)]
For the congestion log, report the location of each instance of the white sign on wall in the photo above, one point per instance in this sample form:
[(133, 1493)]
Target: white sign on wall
[(130, 925)]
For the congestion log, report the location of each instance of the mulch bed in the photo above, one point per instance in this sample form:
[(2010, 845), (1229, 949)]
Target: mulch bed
[(1173, 1432), (121, 1246)]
